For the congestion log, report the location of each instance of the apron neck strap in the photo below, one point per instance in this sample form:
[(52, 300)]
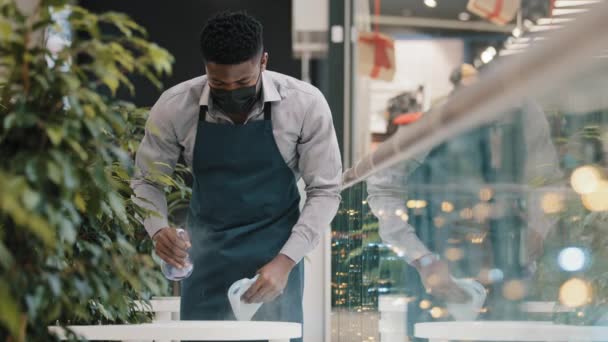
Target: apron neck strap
[(202, 114), (267, 111)]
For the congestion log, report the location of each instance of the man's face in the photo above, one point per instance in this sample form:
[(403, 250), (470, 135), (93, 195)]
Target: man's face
[(234, 76)]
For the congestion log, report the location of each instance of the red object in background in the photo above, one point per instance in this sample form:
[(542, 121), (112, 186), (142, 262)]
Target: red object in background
[(500, 12), (376, 55), (383, 47), (407, 118)]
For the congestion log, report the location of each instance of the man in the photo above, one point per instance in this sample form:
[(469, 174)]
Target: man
[(516, 150), (248, 135)]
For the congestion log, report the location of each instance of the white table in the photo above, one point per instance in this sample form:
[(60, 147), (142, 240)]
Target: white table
[(508, 331), (189, 330), (164, 308)]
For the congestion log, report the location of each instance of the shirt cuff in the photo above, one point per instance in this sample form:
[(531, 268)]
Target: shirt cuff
[(414, 249), (296, 247), (155, 223)]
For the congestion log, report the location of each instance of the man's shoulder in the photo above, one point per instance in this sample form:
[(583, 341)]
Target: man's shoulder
[(288, 85), (191, 87)]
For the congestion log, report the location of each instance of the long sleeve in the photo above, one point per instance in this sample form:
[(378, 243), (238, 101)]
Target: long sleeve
[(387, 195), (155, 160), (541, 167), (321, 169)]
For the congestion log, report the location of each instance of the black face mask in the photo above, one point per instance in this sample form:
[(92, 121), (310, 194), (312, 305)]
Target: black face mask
[(237, 101)]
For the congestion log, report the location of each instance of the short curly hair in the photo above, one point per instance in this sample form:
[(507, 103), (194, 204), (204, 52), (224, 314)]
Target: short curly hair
[(231, 38)]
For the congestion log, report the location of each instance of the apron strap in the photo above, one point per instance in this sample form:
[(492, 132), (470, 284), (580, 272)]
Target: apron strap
[(202, 114), (267, 111)]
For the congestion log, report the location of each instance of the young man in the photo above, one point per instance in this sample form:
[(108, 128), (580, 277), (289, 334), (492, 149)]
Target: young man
[(248, 135)]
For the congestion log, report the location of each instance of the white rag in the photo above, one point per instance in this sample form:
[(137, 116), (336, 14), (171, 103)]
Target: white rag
[(242, 311), (468, 311)]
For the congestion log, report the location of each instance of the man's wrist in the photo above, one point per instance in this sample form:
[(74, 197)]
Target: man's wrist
[(425, 260), (284, 259)]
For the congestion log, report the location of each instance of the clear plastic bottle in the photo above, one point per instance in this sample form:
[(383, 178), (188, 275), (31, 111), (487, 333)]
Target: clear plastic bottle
[(176, 274)]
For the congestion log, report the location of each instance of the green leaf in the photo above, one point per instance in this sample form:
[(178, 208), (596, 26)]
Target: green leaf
[(54, 283), (54, 172), (80, 203), (30, 198), (111, 81), (6, 258), (6, 30), (82, 154), (117, 206), (67, 231), (55, 134), (9, 310)]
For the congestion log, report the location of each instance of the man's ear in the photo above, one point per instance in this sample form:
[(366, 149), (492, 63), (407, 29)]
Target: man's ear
[(264, 61)]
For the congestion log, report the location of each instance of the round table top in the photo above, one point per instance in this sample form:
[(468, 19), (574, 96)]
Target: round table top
[(188, 330), (509, 331)]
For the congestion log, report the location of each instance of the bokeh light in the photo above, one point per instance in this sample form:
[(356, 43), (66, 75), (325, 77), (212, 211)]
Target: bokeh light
[(597, 200), (572, 259), (490, 276), (425, 304), (437, 312), (552, 203), (447, 207), (496, 275), (454, 253), (585, 179), (439, 221), (514, 290), (486, 194), (416, 204), (466, 213), (574, 293), (482, 212)]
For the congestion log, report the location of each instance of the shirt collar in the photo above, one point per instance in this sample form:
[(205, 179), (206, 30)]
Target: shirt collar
[(270, 92)]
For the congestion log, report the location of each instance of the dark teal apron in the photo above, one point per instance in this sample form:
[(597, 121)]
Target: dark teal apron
[(244, 205)]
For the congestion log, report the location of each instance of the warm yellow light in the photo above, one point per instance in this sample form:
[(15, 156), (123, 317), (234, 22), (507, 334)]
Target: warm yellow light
[(404, 217), (482, 212), (514, 290), (439, 221), (552, 202), (416, 204), (425, 304), (575, 292), (598, 199), (585, 179), (466, 213), (437, 312), (398, 212), (486, 194), (447, 207), (454, 254), (477, 238)]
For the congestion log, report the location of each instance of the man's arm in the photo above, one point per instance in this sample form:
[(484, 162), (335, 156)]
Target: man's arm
[(321, 168), (156, 158), (541, 167), (320, 165), (387, 195)]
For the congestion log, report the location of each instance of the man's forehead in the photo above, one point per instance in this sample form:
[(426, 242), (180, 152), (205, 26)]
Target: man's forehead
[(231, 72)]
